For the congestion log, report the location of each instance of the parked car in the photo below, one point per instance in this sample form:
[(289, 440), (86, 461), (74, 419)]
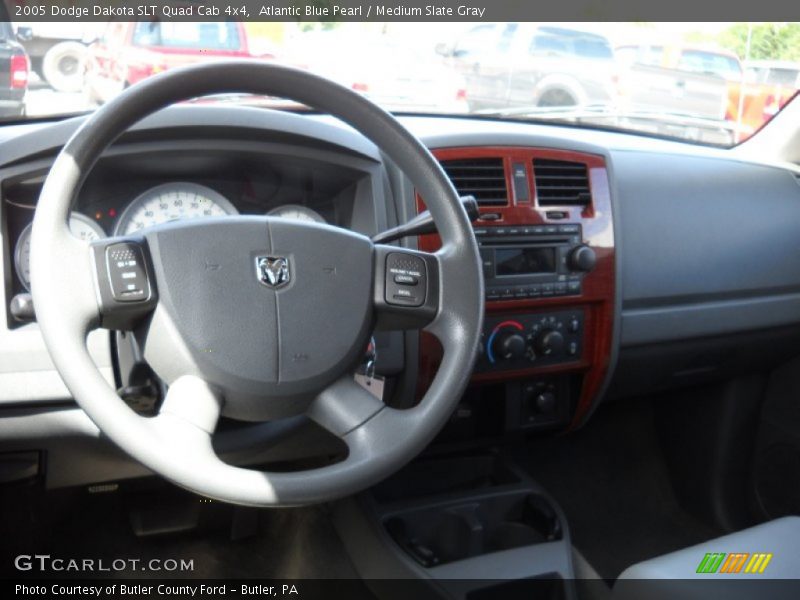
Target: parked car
[(129, 52), (397, 75), (14, 68), (523, 65), (675, 79), (57, 52)]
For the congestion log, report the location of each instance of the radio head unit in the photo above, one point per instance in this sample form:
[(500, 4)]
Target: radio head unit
[(533, 261)]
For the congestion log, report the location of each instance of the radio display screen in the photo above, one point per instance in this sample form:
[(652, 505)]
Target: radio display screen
[(525, 261)]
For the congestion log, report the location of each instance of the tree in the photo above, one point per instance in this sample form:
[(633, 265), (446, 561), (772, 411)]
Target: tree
[(770, 41)]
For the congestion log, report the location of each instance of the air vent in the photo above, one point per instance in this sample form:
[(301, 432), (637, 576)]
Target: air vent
[(561, 182), (484, 178)]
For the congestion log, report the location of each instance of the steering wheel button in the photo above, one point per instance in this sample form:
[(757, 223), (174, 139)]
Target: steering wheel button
[(404, 271), (127, 274), (406, 279)]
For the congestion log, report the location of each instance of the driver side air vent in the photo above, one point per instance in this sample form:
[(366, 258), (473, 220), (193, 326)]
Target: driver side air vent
[(484, 178), (561, 182)]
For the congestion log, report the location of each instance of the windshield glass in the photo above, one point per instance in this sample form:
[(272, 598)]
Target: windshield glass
[(712, 83), (189, 36)]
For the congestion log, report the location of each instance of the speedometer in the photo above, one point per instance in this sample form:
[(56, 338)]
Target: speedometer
[(296, 212), (170, 202), (81, 226)]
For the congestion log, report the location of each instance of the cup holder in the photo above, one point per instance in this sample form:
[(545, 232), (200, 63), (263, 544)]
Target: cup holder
[(513, 535), (451, 532)]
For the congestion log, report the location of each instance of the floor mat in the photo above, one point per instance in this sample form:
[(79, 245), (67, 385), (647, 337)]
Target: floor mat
[(611, 480), (296, 543)]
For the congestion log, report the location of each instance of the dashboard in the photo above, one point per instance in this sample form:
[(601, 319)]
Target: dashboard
[(130, 192), (615, 265)]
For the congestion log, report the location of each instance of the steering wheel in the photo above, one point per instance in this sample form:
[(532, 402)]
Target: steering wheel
[(255, 318)]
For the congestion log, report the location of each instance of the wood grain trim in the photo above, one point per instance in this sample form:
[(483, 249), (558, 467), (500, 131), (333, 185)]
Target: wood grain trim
[(598, 294)]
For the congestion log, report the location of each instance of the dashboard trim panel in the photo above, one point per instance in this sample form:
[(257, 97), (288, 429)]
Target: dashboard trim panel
[(599, 294)]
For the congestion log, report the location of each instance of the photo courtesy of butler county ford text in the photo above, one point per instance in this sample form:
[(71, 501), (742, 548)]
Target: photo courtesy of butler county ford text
[(383, 300)]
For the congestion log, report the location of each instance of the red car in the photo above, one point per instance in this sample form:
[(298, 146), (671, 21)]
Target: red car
[(129, 52)]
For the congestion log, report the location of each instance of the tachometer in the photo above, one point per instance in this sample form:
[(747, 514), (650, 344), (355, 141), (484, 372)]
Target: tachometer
[(170, 202), (296, 212), (81, 226)]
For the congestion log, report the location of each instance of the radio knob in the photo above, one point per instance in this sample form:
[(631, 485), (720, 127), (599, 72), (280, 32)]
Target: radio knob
[(582, 258), (508, 346), (549, 343), (546, 402)]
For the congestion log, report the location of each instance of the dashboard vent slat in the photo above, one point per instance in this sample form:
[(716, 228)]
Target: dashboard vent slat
[(484, 178), (561, 182)]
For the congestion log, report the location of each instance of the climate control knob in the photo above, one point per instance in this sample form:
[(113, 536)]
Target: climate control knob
[(508, 346), (582, 258), (549, 343)]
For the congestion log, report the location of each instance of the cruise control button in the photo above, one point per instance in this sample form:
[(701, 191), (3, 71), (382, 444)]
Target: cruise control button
[(127, 273), (406, 279)]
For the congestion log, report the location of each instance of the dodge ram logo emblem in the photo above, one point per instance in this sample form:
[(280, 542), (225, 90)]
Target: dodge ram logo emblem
[(272, 271)]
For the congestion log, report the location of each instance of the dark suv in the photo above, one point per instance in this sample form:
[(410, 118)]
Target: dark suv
[(13, 72)]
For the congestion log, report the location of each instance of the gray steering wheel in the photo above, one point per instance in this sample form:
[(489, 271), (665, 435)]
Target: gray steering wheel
[(277, 327)]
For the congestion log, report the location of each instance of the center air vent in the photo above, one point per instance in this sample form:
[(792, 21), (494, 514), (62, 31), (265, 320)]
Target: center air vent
[(561, 182), (484, 178)]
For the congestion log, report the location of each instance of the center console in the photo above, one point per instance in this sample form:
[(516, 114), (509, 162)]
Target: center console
[(459, 527), (546, 241)]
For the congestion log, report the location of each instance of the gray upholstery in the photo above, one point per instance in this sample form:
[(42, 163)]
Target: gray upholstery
[(780, 537)]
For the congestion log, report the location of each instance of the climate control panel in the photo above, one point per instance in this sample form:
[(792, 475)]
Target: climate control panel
[(531, 340)]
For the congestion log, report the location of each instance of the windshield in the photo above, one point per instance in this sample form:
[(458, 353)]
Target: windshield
[(712, 83), (189, 36)]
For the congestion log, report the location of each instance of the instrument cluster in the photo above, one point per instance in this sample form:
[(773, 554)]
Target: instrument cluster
[(159, 204)]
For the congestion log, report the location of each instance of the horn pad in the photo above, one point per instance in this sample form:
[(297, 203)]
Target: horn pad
[(270, 311)]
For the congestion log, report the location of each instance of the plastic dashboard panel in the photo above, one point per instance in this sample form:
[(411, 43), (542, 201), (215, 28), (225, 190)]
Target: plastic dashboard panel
[(712, 247)]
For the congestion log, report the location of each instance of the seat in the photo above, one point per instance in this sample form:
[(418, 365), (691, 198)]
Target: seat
[(757, 560)]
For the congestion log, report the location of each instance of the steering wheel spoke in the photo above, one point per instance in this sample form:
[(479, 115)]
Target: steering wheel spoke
[(344, 406), (123, 276), (192, 400), (406, 288)]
